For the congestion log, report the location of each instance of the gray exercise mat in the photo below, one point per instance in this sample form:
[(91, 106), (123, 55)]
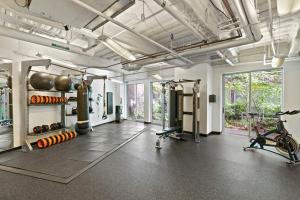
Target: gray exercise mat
[(64, 162)]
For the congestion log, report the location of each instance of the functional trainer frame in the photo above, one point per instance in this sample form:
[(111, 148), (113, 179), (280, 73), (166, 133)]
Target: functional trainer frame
[(171, 131)]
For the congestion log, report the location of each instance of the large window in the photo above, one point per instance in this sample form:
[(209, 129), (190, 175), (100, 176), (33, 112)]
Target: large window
[(135, 101), (252, 92), (157, 103)]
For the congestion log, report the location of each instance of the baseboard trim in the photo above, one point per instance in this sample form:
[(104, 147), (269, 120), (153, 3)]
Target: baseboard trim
[(12, 149), (205, 135), (215, 133), (114, 121)]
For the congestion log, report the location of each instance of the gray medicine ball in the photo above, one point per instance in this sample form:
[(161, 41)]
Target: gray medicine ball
[(63, 83), (41, 81)]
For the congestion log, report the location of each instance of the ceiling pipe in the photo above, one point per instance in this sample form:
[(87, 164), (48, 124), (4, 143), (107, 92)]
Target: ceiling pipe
[(271, 27), (295, 42), (248, 17), (246, 14), (166, 7), (173, 53), (200, 36)]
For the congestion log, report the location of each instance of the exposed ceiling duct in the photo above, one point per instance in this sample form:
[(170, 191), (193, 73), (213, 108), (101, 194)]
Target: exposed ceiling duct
[(285, 7), (295, 43), (148, 39), (117, 48), (249, 19), (74, 15)]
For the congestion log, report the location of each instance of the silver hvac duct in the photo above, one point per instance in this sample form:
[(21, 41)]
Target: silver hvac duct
[(249, 19)]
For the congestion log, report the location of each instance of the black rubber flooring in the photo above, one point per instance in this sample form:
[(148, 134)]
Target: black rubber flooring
[(69, 158), (215, 169)]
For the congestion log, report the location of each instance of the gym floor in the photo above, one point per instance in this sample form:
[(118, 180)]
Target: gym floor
[(6, 138), (216, 168)]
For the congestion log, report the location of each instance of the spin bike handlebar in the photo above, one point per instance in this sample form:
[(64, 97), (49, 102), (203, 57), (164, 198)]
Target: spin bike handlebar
[(294, 112)]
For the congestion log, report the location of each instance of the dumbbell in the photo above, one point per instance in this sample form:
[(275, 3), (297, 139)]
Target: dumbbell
[(37, 129), (45, 128), (59, 125), (53, 126)]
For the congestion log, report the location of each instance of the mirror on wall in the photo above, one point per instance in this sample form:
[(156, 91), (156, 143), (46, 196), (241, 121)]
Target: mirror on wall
[(6, 108)]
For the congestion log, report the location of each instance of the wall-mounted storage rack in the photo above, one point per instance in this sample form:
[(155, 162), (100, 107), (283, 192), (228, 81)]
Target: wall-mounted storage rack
[(25, 135)]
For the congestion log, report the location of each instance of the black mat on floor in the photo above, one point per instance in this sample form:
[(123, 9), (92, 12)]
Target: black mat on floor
[(64, 162)]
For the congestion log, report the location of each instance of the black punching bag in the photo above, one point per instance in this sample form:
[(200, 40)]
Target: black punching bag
[(83, 122)]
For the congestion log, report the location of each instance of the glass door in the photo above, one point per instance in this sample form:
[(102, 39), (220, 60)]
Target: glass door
[(135, 101), (157, 104), (236, 102), (257, 92), (266, 93)]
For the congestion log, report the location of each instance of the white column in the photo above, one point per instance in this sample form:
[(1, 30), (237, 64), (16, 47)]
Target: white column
[(18, 92), (147, 101)]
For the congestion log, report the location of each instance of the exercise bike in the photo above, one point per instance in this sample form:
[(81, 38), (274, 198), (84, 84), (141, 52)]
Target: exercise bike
[(283, 142)]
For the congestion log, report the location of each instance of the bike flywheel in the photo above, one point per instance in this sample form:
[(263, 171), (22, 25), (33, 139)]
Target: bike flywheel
[(291, 142)]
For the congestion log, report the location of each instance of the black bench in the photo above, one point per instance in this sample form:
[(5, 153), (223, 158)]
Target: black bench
[(168, 131)]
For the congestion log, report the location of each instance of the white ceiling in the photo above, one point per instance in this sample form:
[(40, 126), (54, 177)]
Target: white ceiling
[(158, 26)]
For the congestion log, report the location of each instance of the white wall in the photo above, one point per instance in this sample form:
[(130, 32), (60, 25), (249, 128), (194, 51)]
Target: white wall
[(209, 105), (292, 96)]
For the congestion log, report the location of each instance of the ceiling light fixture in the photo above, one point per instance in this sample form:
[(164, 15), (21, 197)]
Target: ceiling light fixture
[(57, 62), (118, 49), (157, 76), (115, 80), (3, 60), (277, 61)]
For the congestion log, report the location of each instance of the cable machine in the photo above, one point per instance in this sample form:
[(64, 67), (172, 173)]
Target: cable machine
[(176, 110)]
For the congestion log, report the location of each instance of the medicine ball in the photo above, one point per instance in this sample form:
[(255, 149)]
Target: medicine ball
[(63, 83), (41, 81)]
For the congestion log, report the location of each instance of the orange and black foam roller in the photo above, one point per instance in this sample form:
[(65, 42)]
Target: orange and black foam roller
[(58, 138), (33, 99), (42, 99), (38, 99), (74, 133), (49, 141), (67, 136), (53, 99), (63, 137), (42, 143), (70, 135), (54, 140), (50, 99), (46, 99)]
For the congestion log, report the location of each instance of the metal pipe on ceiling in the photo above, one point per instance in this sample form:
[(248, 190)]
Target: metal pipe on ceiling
[(271, 28), (173, 53), (167, 8), (247, 14)]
